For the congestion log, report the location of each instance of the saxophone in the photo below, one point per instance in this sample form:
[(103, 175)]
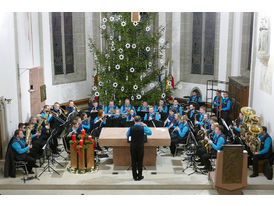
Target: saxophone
[(28, 135)]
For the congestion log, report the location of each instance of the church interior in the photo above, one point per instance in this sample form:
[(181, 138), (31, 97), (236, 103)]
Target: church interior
[(77, 88)]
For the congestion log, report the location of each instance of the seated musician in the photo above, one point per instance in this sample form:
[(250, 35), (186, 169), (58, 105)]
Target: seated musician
[(212, 120), (238, 128), (204, 126), (265, 151), (131, 116), (177, 108), (95, 107), (198, 122), (117, 114), (45, 113), (194, 98), (85, 124), (144, 107), (192, 113), (217, 103), (170, 118), (71, 107), (75, 130), (174, 123), (151, 115), (226, 107), (101, 118), (110, 109), (161, 107), (20, 147), (56, 116), (181, 136), (216, 144), (45, 133), (127, 107)]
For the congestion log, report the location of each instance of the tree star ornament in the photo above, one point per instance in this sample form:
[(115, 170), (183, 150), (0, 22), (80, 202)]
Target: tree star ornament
[(149, 64), (138, 96), (120, 50), (147, 48), (115, 84), (112, 48), (103, 27), (142, 92), (122, 88), (104, 20), (94, 88), (135, 23), (111, 38), (135, 87), (163, 95), (169, 83), (101, 83), (133, 46), (147, 28), (97, 94), (117, 66), (131, 69), (121, 56), (123, 23), (111, 18), (127, 45), (107, 56)]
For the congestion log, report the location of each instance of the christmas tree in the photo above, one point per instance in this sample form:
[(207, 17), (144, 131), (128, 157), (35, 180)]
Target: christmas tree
[(132, 63)]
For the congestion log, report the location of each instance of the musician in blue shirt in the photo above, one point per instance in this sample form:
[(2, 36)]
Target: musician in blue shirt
[(127, 107), (176, 122), (95, 107), (143, 108), (194, 98), (238, 128), (45, 113), (71, 108), (265, 151), (176, 107), (201, 118), (226, 107), (110, 109), (169, 118), (131, 116), (85, 122), (151, 115), (161, 107), (181, 136), (217, 103)]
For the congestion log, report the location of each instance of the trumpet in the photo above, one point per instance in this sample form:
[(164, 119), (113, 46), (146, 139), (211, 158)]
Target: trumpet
[(65, 112), (77, 108)]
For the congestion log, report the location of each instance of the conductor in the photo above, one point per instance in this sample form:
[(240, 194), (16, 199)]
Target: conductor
[(136, 137)]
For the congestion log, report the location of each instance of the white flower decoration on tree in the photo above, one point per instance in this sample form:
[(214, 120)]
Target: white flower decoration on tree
[(135, 87), (117, 66), (107, 56), (142, 92), (162, 41), (127, 78), (120, 50), (97, 94), (95, 57), (149, 64), (132, 98), (101, 84), (103, 27), (169, 83), (115, 84), (123, 23), (148, 69), (127, 45), (135, 23), (111, 38), (144, 75), (147, 48), (104, 20), (109, 68), (141, 77), (112, 48), (112, 43), (163, 95), (111, 18), (133, 46), (131, 69), (162, 61), (94, 88), (151, 85), (121, 56), (119, 38), (138, 96), (106, 92), (122, 88), (148, 28)]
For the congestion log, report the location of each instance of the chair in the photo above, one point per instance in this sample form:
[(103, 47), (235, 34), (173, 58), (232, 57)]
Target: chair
[(182, 146), (22, 164)]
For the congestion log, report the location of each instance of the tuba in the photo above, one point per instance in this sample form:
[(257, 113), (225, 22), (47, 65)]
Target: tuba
[(252, 140), (247, 112), (28, 135)]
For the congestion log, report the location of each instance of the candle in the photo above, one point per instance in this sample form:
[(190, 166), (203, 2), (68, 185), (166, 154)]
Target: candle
[(83, 132), (90, 138), (74, 138), (81, 143)]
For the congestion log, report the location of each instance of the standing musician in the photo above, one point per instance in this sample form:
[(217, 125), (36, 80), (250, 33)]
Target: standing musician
[(136, 136), (192, 113), (110, 109), (161, 107), (226, 107), (127, 107), (180, 136), (217, 104), (143, 108), (216, 144), (194, 98), (169, 118), (177, 108), (151, 115), (45, 113), (265, 151), (131, 115), (21, 148), (71, 107), (95, 107)]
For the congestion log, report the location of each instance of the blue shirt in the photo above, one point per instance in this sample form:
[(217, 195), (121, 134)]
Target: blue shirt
[(154, 116), (85, 125), (171, 118), (177, 109), (219, 144), (44, 115), (17, 147), (70, 109), (226, 104), (96, 119), (183, 131), (164, 108), (147, 131), (201, 119), (123, 109), (99, 107), (108, 109), (267, 144), (194, 99), (129, 117), (217, 99), (237, 128), (142, 108)]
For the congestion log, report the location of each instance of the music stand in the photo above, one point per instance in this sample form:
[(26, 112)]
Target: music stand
[(163, 116), (93, 115), (142, 114)]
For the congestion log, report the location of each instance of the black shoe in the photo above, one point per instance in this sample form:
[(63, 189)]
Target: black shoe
[(135, 179), (254, 175), (140, 178), (30, 172)]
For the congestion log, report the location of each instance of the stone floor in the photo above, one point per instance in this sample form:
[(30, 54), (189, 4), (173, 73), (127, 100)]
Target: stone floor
[(167, 177)]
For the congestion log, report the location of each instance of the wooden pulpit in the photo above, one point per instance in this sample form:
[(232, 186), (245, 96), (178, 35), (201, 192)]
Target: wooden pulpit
[(230, 175)]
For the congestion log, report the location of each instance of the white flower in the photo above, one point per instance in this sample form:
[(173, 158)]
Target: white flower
[(147, 48), (162, 61), (120, 50), (127, 45), (148, 69), (144, 75), (112, 43), (132, 98), (117, 66), (104, 20), (97, 94), (142, 92), (111, 37), (94, 88), (133, 46), (103, 27), (115, 84), (101, 83), (131, 69), (147, 28), (149, 64), (111, 18), (151, 85), (162, 40), (135, 87), (135, 23), (163, 95), (138, 96), (109, 68), (123, 23), (119, 38), (122, 88), (121, 56), (112, 48), (107, 56), (169, 83)]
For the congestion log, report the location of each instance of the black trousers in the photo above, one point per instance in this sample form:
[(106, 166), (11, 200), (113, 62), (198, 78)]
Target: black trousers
[(256, 159), (175, 139), (29, 159), (225, 116), (137, 156)]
